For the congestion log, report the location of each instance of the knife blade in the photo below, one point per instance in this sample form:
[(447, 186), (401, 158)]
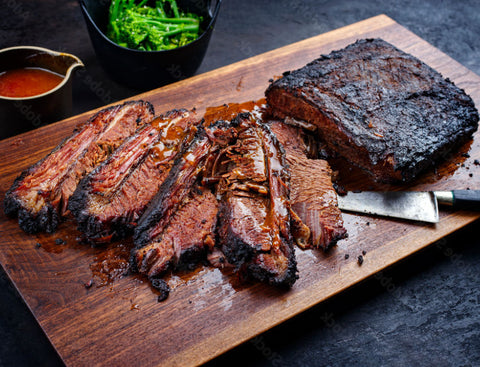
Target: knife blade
[(412, 205)]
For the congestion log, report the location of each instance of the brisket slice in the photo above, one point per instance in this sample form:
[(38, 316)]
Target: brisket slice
[(174, 190), (108, 202), (186, 239), (314, 200), (254, 222), (312, 195), (380, 108), (294, 140), (39, 196)]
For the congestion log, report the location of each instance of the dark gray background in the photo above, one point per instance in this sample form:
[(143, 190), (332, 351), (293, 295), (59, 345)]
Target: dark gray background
[(424, 311)]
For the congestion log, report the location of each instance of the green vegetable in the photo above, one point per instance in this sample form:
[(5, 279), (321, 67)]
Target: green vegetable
[(141, 27)]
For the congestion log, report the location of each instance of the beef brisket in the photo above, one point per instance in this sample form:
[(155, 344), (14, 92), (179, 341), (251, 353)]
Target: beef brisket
[(312, 195), (161, 238), (254, 223), (109, 201), (246, 164), (314, 200), (174, 190), (379, 107), (39, 196), (186, 239)]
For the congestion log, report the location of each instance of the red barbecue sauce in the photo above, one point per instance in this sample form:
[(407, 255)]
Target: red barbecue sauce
[(27, 82)]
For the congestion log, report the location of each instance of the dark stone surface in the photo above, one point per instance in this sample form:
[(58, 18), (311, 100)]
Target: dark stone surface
[(424, 311)]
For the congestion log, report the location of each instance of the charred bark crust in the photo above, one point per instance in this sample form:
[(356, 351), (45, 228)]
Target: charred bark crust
[(379, 107)]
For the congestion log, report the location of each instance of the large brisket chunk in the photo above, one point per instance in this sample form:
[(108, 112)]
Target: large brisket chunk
[(39, 196), (382, 109), (109, 201)]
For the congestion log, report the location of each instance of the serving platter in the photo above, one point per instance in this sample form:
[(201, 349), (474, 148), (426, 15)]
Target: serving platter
[(94, 314)]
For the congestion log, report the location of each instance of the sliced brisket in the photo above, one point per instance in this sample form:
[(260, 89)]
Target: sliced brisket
[(162, 238), (312, 195), (39, 196), (379, 107), (254, 219), (246, 163), (174, 190), (314, 200), (109, 201), (186, 239)]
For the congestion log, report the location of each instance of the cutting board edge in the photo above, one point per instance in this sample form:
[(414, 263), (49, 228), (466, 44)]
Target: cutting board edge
[(187, 361)]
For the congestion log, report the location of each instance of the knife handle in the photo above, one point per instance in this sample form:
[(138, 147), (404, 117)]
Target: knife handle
[(466, 199)]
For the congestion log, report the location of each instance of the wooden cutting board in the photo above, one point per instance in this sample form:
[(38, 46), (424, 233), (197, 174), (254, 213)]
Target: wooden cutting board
[(94, 315)]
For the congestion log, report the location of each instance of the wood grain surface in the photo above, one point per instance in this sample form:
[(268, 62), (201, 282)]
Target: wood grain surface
[(94, 314)]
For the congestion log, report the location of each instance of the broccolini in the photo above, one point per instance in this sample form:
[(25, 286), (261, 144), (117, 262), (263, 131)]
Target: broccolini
[(146, 28)]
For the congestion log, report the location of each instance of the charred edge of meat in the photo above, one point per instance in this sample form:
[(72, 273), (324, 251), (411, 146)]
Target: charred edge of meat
[(155, 210), (11, 204), (256, 271), (233, 246), (76, 130), (253, 232), (251, 263), (190, 258), (340, 235), (48, 217), (162, 287), (264, 266), (93, 231), (124, 221), (163, 205), (144, 116), (280, 202), (132, 261), (221, 132), (235, 249)]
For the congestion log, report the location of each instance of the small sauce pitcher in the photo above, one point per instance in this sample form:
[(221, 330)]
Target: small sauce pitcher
[(21, 114)]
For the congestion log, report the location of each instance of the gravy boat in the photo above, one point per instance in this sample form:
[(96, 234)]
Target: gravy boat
[(21, 114)]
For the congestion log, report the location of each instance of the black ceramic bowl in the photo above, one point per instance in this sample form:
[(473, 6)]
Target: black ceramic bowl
[(145, 70)]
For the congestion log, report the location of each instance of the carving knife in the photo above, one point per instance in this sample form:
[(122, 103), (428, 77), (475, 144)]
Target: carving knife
[(413, 205)]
